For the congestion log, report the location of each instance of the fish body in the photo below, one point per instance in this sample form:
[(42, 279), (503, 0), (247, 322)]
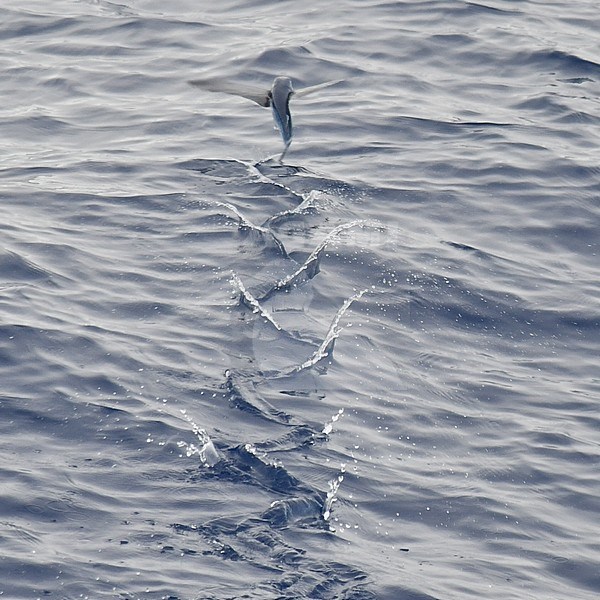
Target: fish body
[(280, 95)]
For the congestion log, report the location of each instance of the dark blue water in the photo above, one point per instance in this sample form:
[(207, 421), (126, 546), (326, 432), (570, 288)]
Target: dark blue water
[(370, 372)]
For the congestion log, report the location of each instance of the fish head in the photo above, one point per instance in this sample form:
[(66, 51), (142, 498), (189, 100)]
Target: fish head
[(282, 85)]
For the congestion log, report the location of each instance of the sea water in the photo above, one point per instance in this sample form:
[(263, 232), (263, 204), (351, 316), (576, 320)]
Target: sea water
[(368, 372)]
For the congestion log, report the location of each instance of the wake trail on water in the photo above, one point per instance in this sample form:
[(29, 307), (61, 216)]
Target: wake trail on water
[(246, 225), (248, 300), (326, 347), (311, 265), (283, 351)]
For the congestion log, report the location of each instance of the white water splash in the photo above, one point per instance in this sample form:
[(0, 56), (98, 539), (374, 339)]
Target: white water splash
[(262, 456), (309, 201), (251, 302), (245, 223), (328, 427), (326, 347), (310, 267), (261, 177), (208, 454), (334, 486)]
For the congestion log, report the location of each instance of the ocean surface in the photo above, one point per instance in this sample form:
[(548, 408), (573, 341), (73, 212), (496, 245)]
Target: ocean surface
[(368, 372)]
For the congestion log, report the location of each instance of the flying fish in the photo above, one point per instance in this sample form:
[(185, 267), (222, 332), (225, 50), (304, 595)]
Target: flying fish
[(278, 98)]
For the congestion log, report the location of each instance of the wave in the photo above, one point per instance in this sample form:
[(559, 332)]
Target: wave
[(247, 299), (305, 207), (310, 267), (246, 225), (326, 347), (242, 397), (206, 452)]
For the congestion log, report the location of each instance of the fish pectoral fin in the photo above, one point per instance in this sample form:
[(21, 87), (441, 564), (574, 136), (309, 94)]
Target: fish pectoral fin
[(256, 94), (313, 88)]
